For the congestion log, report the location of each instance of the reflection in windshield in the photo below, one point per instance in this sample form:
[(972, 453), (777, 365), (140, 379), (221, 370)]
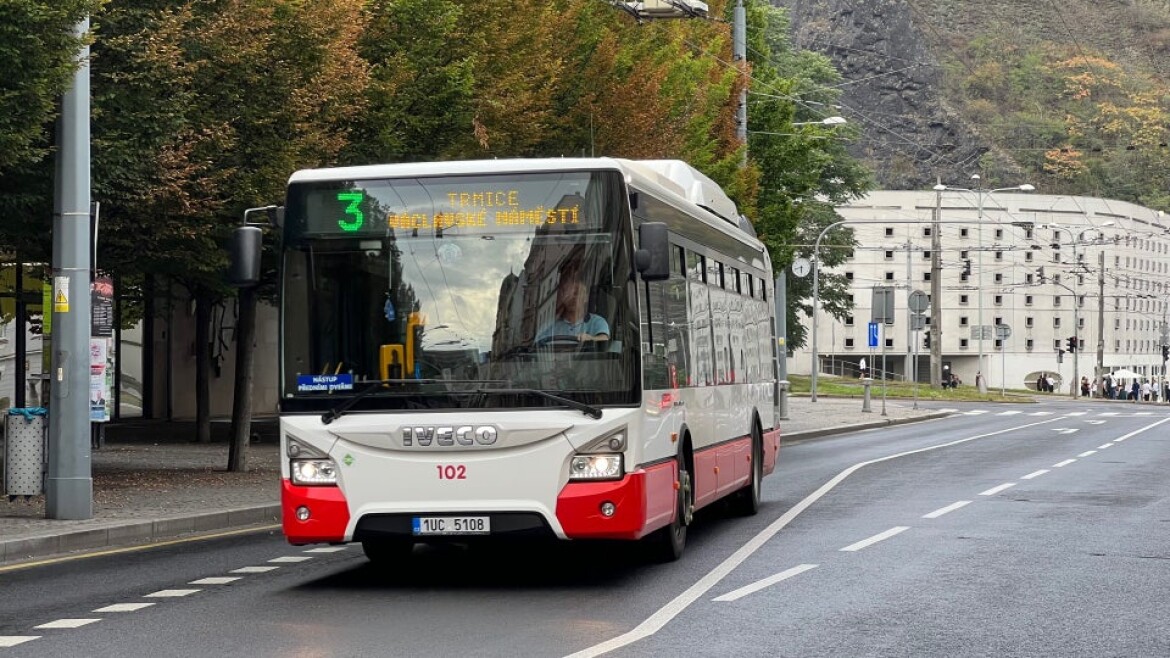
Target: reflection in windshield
[(433, 301)]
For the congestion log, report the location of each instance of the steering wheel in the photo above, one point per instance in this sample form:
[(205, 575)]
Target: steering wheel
[(559, 343)]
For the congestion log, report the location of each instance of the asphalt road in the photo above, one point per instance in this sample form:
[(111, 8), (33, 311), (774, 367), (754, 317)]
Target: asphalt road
[(1000, 531)]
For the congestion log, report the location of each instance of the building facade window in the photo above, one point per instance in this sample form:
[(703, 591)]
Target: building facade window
[(964, 299), (848, 343)]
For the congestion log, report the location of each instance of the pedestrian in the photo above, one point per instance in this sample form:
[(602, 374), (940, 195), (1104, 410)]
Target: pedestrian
[(1041, 384), (1135, 390), (1145, 390), (1051, 384), (1084, 387)]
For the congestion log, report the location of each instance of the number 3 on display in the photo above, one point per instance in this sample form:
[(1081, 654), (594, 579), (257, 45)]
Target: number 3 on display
[(353, 209)]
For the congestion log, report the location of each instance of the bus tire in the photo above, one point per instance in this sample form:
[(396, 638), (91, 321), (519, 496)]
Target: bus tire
[(385, 552), (667, 544), (746, 501)]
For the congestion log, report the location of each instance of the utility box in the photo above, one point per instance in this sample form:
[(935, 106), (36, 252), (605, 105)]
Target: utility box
[(25, 452)]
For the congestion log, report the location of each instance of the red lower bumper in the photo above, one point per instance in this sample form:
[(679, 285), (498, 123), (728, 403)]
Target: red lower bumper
[(328, 513), (643, 502)]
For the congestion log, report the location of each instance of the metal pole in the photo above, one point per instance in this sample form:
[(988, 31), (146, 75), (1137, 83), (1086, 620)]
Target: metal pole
[(1101, 323), (69, 482), (982, 379), (816, 271), (781, 297), (936, 324), (909, 317), (739, 54), (1076, 378)]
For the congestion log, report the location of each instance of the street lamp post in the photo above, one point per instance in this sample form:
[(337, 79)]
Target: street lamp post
[(980, 195), (1076, 239)]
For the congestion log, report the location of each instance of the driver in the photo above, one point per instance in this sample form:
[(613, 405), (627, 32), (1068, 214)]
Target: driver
[(572, 318)]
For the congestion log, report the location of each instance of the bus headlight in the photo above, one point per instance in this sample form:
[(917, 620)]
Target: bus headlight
[(595, 467), (313, 471)]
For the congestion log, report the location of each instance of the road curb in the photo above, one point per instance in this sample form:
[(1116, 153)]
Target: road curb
[(788, 437), (112, 534)]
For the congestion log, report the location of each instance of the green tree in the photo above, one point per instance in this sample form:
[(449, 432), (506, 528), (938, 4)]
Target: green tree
[(804, 170)]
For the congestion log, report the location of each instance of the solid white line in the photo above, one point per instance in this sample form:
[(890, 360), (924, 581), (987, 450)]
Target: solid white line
[(170, 593), (292, 558), (327, 549), (67, 623), (215, 580), (13, 640), (881, 536), (673, 608), (1035, 474), (253, 569), (994, 490), (761, 584), (1103, 446), (1087, 453), (1063, 463), (124, 607), (949, 508)]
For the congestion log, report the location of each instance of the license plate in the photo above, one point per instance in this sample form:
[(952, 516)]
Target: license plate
[(452, 525)]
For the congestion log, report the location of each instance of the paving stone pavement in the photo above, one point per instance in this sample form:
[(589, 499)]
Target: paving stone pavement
[(152, 482)]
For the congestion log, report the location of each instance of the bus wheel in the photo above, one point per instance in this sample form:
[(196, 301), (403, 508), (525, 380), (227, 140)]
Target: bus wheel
[(666, 545), (385, 552), (747, 500)]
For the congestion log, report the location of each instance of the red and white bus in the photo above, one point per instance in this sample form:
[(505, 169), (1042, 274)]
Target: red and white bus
[(569, 348)]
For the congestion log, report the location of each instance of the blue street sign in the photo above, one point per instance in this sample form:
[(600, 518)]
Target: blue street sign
[(873, 334)]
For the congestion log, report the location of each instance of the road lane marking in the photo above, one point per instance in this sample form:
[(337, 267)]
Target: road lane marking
[(994, 490), (1107, 413), (1041, 413), (766, 582), (124, 607), (216, 580), (1035, 474), (1009, 413), (292, 558), (1087, 453), (136, 549), (678, 604), (1076, 413), (253, 569), (1103, 446), (870, 541), (949, 508), (13, 640), (170, 593), (327, 549), (67, 623), (1063, 463)]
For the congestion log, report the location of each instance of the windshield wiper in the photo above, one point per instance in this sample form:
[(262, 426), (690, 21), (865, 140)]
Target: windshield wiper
[(587, 409), (372, 385)]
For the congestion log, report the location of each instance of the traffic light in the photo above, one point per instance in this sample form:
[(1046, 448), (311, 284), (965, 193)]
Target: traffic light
[(1072, 344), (926, 340), (1165, 353)]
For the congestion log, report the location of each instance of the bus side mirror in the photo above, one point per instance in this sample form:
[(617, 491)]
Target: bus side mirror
[(244, 252), (652, 259)]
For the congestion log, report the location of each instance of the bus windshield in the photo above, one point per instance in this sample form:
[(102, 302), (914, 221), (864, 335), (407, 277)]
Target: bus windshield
[(447, 286)]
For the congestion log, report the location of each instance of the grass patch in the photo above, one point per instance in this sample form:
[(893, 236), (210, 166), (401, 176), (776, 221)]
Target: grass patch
[(842, 387)]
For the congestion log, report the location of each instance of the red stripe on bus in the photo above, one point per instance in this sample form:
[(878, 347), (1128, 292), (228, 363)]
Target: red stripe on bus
[(722, 469), (328, 513), (643, 502), (771, 450)]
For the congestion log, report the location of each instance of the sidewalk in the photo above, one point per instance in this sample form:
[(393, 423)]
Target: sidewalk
[(152, 483)]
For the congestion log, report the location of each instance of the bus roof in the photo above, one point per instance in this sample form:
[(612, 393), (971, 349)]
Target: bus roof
[(674, 180)]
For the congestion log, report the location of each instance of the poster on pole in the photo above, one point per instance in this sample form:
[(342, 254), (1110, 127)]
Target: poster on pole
[(101, 379)]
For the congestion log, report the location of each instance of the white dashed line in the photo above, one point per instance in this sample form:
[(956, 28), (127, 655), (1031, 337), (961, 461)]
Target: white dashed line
[(170, 593), (253, 569), (1087, 453), (1144, 413), (327, 549), (881, 536), (1107, 413), (1009, 413), (761, 584), (1076, 413), (1103, 446), (13, 640), (949, 508), (216, 580), (1041, 413), (67, 623), (994, 490), (1063, 463), (1035, 474), (975, 412), (947, 410), (124, 607), (292, 558)]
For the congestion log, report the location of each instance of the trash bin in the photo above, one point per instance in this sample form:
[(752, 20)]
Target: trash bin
[(25, 451)]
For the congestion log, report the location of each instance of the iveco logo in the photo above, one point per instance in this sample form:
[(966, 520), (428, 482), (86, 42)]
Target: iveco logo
[(465, 435)]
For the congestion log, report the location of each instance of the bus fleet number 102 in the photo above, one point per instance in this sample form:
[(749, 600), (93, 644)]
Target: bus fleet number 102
[(451, 472)]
